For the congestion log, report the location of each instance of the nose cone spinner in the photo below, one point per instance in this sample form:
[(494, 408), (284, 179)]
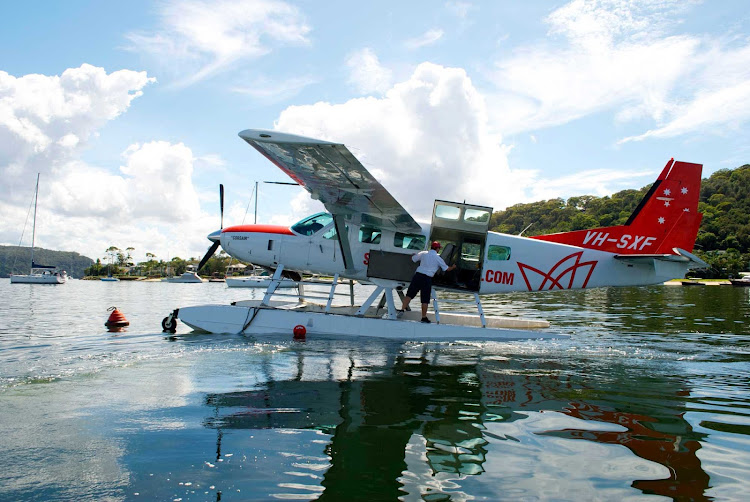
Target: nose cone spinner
[(215, 236)]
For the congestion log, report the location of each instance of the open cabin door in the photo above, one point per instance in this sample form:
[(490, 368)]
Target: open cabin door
[(461, 229)]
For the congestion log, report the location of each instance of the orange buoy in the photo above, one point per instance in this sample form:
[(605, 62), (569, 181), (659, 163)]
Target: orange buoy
[(299, 332), (116, 319)]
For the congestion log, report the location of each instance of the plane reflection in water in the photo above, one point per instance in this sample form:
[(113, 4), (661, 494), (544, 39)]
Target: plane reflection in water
[(426, 425)]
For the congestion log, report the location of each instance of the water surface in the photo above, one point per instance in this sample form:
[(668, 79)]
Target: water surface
[(648, 400)]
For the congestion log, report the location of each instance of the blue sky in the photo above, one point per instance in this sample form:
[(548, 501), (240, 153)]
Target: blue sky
[(131, 110)]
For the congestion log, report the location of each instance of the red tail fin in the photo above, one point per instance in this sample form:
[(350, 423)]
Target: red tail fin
[(666, 218)]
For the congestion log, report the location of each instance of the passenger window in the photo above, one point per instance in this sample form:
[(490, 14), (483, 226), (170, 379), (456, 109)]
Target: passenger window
[(447, 212), (498, 253), (369, 235), (409, 241), (476, 216)]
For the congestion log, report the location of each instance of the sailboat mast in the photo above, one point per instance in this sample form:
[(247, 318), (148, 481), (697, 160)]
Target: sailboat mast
[(33, 228), (256, 203)]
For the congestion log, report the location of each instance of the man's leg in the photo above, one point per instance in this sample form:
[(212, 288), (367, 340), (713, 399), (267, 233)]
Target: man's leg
[(411, 292), (405, 303), (425, 297)]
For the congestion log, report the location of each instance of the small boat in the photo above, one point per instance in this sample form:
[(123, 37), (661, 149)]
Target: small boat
[(258, 281), (110, 279), (743, 282), (39, 274), (691, 282), (186, 277)]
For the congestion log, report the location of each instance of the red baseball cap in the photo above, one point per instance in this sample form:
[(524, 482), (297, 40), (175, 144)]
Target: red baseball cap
[(435, 245)]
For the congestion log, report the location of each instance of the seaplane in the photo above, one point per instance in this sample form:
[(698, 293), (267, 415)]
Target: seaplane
[(365, 235)]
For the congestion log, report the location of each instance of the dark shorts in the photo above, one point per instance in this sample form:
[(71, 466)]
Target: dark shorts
[(421, 283)]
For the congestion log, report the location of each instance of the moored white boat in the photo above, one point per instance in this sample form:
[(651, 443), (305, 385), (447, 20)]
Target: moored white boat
[(187, 277), (46, 277), (39, 274)]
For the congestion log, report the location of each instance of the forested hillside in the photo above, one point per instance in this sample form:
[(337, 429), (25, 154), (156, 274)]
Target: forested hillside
[(723, 239), (16, 260)]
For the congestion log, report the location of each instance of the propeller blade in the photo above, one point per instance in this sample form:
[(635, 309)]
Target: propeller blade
[(208, 255), (221, 203)]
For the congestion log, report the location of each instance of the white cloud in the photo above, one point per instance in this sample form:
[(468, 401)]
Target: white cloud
[(617, 55), (150, 204), (198, 39), (426, 138), (367, 74), (45, 121), (459, 9), (721, 99), (599, 182), (272, 91), (427, 38), (429, 137)]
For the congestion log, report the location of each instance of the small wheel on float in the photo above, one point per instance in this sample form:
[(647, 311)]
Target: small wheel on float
[(169, 324)]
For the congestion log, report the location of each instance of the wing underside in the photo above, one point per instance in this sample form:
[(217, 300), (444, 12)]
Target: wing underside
[(333, 176)]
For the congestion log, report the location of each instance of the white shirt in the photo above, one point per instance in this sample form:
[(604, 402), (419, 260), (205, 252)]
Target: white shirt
[(429, 261)]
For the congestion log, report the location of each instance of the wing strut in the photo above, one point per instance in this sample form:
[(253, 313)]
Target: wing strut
[(343, 235)]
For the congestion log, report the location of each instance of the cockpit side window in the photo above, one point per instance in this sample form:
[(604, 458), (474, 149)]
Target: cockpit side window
[(370, 235), (312, 224)]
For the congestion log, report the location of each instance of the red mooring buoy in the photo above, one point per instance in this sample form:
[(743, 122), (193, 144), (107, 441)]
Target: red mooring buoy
[(116, 319), (299, 332)]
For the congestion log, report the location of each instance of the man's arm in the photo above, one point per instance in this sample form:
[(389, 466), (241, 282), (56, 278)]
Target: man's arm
[(444, 265)]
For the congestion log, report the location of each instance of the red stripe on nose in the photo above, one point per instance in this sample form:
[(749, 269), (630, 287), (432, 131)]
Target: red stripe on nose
[(265, 229)]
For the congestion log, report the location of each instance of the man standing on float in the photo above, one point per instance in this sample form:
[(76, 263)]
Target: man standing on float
[(429, 262)]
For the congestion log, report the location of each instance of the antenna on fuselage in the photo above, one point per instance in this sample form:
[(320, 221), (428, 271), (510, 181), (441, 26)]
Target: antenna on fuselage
[(525, 229)]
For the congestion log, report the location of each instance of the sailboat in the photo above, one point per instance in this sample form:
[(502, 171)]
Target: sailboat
[(39, 274)]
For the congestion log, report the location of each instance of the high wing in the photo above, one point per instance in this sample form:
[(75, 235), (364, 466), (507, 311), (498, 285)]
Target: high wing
[(333, 176)]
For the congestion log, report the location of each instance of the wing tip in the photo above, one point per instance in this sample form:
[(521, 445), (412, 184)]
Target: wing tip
[(267, 136)]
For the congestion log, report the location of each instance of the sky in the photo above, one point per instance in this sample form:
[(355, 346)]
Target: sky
[(130, 110)]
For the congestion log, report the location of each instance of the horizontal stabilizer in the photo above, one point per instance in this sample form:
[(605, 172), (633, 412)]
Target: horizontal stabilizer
[(648, 258), (681, 256)]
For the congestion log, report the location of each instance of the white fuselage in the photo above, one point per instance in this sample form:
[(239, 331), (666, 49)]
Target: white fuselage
[(509, 263)]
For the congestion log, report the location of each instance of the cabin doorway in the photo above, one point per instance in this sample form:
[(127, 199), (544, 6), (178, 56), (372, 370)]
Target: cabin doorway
[(461, 229)]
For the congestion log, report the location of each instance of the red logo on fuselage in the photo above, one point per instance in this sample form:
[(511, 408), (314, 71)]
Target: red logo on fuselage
[(562, 275)]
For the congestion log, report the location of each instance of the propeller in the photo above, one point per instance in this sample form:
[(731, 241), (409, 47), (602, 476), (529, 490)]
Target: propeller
[(214, 236)]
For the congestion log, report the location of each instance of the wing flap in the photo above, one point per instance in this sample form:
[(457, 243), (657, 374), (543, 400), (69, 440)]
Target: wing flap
[(333, 176)]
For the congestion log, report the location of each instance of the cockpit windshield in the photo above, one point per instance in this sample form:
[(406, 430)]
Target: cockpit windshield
[(312, 224)]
